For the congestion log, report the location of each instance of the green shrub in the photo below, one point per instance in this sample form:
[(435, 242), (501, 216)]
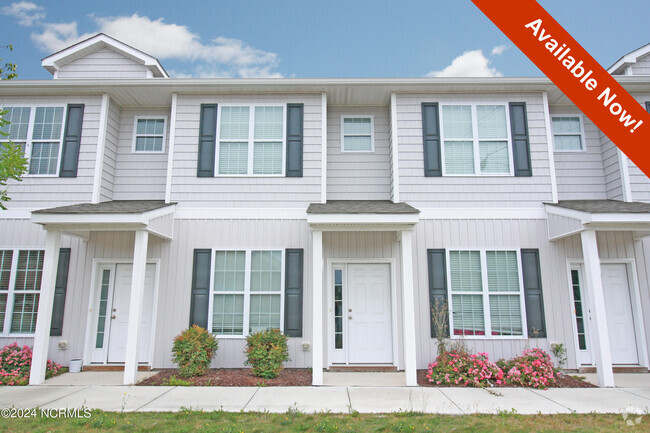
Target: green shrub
[(193, 351), (265, 353), (174, 381)]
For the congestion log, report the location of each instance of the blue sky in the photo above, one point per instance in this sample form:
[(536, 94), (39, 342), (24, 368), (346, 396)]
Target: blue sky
[(409, 38)]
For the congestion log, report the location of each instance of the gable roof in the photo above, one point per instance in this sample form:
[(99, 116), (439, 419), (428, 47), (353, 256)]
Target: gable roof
[(53, 62), (631, 58)]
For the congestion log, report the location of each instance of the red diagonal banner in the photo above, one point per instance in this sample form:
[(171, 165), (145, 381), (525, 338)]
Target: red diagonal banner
[(599, 96)]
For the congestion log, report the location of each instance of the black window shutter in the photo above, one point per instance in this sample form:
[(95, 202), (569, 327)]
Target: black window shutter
[(520, 140), (438, 289), (647, 106), (293, 277), (60, 285), (533, 293), (207, 140), (200, 288), (71, 141), (431, 139), (294, 139)]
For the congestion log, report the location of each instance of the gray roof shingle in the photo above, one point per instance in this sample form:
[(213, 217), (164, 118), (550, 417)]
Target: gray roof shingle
[(108, 207), (361, 207), (603, 206)]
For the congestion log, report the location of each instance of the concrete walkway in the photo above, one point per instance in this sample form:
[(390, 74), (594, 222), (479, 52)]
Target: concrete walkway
[(329, 399)]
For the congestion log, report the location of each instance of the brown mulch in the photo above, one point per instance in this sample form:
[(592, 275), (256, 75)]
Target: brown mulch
[(234, 377), (562, 381)]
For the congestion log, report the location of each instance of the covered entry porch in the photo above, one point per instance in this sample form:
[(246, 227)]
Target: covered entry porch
[(141, 219), (363, 291), (609, 327)]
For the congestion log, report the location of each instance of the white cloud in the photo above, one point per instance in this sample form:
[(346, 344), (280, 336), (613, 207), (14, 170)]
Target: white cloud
[(498, 50), (221, 57), (469, 64), (27, 13)]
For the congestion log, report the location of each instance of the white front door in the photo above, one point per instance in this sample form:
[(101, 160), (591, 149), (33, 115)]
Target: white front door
[(368, 314), (620, 318), (112, 306)]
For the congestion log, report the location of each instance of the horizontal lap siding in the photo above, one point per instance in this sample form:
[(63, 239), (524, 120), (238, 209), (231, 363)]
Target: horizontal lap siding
[(642, 66), (139, 176), (103, 63), (176, 276), (611, 168), (358, 175), (246, 191), (44, 192), (580, 175), (470, 191), (110, 152), (639, 182)]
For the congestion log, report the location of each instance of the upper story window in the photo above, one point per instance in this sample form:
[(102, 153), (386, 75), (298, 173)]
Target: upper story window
[(21, 272), (357, 134), (476, 139), (568, 133), (149, 134), (251, 140), (39, 131)]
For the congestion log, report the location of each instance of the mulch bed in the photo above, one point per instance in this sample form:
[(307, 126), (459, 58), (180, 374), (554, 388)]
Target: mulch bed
[(562, 381), (234, 377)]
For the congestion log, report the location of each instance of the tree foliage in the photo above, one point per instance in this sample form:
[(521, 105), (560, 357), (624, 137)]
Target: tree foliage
[(13, 163)]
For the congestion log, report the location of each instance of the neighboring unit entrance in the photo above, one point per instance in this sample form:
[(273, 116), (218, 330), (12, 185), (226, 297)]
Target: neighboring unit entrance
[(360, 312), (111, 321)]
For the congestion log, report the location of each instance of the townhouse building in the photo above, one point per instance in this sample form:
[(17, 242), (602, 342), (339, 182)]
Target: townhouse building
[(345, 212)]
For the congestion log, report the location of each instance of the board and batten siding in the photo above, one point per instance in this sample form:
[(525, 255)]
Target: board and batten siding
[(470, 191), (140, 176), (39, 192), (244, 191), (358, 175), (110, 151), (641, 67), (581, 175), (103, 63)]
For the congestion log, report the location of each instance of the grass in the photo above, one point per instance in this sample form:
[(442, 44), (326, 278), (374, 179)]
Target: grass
[(295, 421)]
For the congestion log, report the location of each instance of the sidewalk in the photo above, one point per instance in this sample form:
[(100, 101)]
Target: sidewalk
[(329, 399)]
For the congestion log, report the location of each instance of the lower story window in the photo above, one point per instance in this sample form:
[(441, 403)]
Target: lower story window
[(247, 291), (21, 272), (486, 293)]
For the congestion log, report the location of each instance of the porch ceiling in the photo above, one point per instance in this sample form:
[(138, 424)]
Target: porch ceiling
[(153, 216), (362, 215), (569, 217)]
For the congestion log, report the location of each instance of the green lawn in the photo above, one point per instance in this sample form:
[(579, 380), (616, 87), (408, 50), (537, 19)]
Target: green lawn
[(297, 422)]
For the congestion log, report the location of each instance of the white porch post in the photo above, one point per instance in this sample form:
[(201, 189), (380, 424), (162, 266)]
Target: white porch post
[(596, 299), (408, 301), (45, 305), (135, 306), (317, 308)]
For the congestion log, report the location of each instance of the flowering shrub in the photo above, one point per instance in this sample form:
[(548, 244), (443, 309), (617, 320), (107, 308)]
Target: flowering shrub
[(15, 363), (463, 369), (533, 368)]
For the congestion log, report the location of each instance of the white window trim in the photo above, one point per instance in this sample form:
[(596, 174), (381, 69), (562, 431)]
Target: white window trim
[(247, 290), (372, 132), (485, 293), (136, 135), (6, 331), (583, 142), (251, 139), (475, 140), (30, 131)]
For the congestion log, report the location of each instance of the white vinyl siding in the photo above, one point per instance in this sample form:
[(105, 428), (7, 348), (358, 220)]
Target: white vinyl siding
[(21, 272), (567, 133), (103, 63), (247, 292), (357, 134), (486, 294), (476, 139), (251, 140), (149, 135)]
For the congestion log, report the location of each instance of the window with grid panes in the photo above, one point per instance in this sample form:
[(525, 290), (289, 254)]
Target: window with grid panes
[(21, 272), (149, 135)]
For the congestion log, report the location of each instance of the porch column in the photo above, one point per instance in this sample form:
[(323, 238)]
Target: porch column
[(135, 307), (596, 299), (408, 301), (317, 308), (45, 305)]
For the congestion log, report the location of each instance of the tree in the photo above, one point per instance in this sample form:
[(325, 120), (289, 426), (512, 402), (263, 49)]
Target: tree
[(13, 163)]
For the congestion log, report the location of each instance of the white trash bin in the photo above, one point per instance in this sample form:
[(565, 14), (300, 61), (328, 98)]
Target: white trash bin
[(75, 365)]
